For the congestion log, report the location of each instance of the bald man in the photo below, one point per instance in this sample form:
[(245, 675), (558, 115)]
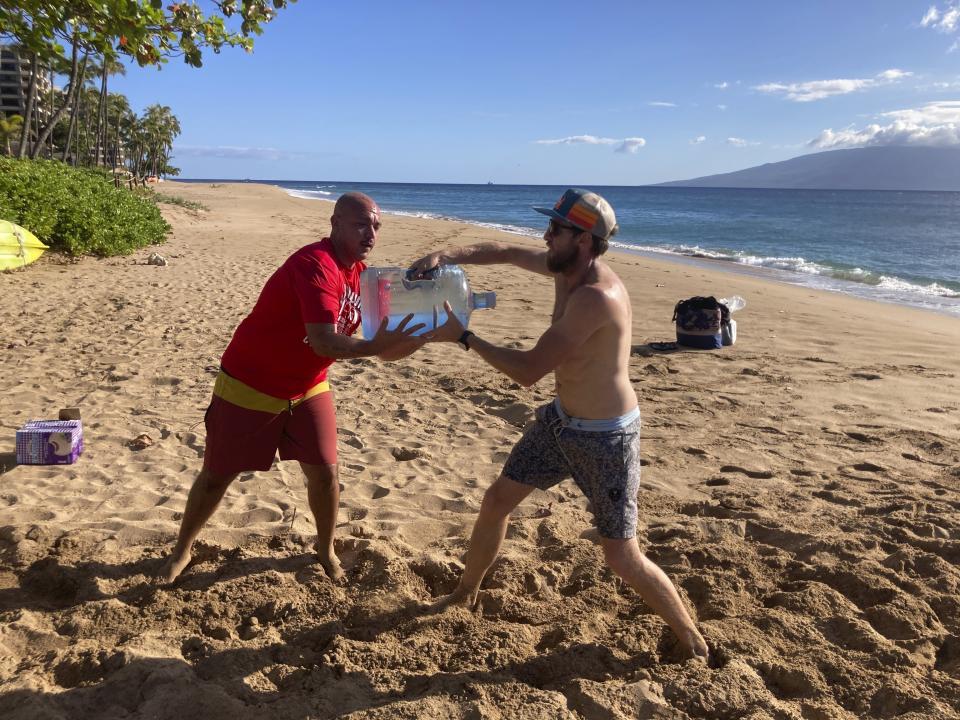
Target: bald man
[(272, 393)]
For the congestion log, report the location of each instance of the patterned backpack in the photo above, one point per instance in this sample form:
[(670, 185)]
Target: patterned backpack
[(700, 321)]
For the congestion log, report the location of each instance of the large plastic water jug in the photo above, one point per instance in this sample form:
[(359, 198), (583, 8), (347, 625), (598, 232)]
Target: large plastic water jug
[(392, 293), (734, 303), (728, 330)]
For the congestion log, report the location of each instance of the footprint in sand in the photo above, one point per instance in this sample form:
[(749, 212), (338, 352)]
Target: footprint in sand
[(868, 467), (866, 376), (172, 381), (402, 454), (190, 440), (517, 414), (758, 474), (862, 437), (837, 498)]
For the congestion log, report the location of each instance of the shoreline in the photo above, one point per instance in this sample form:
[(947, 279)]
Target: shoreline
[(887, 288), (804, 479)]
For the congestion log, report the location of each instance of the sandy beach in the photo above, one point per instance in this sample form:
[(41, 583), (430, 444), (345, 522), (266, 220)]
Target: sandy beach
[(801, 488)]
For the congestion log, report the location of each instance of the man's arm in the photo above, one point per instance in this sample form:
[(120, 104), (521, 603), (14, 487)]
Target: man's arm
[(325, 341), (401, 350), (491, 253), (587, 311)]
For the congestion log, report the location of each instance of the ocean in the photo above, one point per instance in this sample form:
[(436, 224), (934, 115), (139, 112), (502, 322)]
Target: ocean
[(899, 247)]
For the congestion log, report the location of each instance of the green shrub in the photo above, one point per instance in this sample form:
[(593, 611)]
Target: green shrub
[(77, 210), (161, 198)]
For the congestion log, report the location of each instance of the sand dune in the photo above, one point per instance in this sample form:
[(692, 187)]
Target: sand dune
[(801, 488)]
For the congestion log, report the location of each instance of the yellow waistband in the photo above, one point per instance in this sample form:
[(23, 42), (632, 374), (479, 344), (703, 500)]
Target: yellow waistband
[(241, 394)]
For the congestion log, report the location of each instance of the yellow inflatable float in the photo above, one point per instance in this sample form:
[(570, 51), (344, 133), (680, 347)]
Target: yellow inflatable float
[(18, 247)]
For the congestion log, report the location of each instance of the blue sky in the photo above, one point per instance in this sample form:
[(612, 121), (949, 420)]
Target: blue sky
[(616, 93)]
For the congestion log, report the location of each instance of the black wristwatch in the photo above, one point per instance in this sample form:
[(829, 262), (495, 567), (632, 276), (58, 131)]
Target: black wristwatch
[(467, 334)]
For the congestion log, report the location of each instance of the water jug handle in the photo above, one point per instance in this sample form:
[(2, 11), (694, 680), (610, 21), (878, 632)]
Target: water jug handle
[(409, 283)]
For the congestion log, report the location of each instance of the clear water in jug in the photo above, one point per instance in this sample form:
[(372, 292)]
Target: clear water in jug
[(392, 293)]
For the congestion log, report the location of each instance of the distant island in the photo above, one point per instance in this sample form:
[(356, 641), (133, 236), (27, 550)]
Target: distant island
[(870, 168)]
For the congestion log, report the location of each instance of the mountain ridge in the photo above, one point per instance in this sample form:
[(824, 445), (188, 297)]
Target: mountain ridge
[(872, 168)]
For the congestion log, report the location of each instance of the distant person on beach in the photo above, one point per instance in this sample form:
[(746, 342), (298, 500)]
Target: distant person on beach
[(591, 431), (272, 392)]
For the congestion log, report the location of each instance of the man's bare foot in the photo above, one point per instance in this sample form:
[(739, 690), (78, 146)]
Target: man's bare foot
[(697, 648), (461, 597), (174, 565), (330, 563)]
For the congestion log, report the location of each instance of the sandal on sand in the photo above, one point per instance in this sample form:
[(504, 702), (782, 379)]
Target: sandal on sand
[(664, 346)]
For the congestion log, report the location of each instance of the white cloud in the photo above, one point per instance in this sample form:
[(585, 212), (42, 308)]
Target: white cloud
[(893, 74), (699, 140), (233, 152), (935, 124), (722, 85), (820, 89), (946, 20), (721, 107), (631, 145), (737, 142), (579, 140), (624, 145), (660, 103)]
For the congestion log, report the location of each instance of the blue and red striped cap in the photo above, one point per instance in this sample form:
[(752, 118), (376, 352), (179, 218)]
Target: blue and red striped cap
[(586, 210)]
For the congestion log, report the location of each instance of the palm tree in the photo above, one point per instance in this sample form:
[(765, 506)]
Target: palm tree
[(161, 126), (120, 117), (109, 66), (9, 127), (76, 84)]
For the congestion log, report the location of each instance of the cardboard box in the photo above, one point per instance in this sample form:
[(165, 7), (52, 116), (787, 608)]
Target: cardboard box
[(49, 442)]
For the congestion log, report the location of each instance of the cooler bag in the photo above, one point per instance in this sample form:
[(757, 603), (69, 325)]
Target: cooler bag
[(700, 321)]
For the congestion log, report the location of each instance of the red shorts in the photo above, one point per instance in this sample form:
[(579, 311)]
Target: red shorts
[(241, 439)]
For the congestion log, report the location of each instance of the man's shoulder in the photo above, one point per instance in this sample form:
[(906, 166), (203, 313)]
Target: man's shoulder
[(315, 255), (318, 249), (606, 294)]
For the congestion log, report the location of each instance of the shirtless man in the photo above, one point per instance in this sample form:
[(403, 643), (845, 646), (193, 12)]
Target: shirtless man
[(591, 431)]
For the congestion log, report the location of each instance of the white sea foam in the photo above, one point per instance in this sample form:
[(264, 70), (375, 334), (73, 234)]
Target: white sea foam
[(933, 289), (309, 194), (418, 214), (855, 281)]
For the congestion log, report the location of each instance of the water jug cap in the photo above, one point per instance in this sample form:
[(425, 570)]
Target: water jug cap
[(429, 276)]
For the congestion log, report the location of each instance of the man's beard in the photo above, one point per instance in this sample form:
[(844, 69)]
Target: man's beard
[(557, 263)]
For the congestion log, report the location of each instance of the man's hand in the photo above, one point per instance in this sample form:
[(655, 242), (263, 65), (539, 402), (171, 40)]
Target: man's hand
[(385, 341), (422, 268), (450, 331)]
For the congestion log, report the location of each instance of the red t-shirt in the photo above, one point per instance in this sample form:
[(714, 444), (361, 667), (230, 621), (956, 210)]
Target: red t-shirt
[(269, 351)]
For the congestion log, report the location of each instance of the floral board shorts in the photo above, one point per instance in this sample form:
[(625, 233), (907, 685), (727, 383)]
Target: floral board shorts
[(602, 456)]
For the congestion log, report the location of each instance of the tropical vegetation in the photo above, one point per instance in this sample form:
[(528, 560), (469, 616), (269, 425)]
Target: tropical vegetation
[(83, 124), (77, 210)]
